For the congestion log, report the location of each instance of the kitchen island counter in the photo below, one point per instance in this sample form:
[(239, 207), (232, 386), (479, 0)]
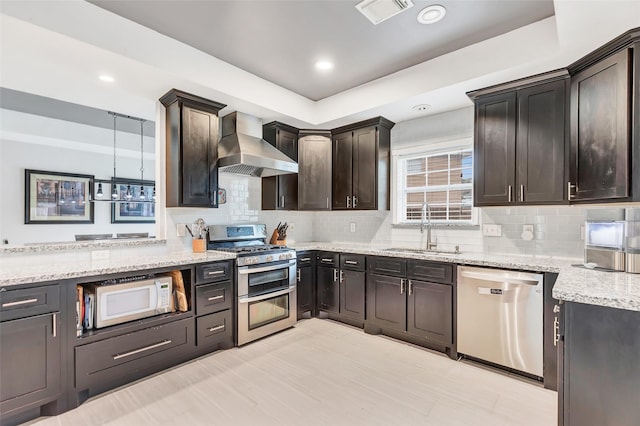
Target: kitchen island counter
[(574, 284), (36, 267)]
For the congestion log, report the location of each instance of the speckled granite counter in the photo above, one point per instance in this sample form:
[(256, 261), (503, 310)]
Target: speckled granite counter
[(612, 289), (65, 246), (40, 267)]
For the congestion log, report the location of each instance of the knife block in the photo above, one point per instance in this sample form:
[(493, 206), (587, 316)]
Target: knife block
[(275, 241)]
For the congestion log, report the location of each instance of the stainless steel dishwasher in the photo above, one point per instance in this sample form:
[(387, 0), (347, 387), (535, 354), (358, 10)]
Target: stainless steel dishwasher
[(500, 317)]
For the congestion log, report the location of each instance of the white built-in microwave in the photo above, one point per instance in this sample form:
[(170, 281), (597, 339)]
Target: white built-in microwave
[(118, 303)]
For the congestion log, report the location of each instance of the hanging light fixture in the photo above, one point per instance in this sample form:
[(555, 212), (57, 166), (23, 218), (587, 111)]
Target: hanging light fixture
[(99, 192), (142, 195), (114, 191)]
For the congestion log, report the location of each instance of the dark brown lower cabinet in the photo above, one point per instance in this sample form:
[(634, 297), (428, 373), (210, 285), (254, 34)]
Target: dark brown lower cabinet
[(601, 368), (429, 311), (306, 290), (352, 291), (386, 302), (328, 290), (30, 362)]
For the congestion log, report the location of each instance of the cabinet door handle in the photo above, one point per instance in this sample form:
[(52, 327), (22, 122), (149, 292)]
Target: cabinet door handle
[(298, 275), (215, 298), (137, 351), (341, 275), (522, 193), (305, 259), (510, 193), (19, 302), (216, 328), (335, 275), (355, 201), (351, 262), (215, 272), (401, 285), (556, 331), (327, 202), (282, 201), (54, 326), (410, 288), (569, 186), (348, 202)]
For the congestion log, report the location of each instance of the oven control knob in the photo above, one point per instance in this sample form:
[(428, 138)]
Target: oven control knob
[(251, 260), (285, 256), (268, 258)]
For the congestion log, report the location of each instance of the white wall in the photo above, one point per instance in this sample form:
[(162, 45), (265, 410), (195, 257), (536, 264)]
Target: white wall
[(35, 142)]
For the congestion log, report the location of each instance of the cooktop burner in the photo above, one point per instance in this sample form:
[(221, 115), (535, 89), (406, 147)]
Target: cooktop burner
[(249, 249)]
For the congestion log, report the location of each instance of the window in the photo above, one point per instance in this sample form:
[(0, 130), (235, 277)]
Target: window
[(443, 179)]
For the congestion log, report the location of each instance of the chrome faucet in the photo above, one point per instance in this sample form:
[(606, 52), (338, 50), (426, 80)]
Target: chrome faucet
[(426, 212)]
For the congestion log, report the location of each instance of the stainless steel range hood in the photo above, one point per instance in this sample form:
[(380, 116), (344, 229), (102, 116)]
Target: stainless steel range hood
[(243, 151)]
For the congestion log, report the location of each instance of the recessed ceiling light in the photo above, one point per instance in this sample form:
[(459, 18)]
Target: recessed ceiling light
[(431, 14), (106, 78), (324, 65), (421, 107)]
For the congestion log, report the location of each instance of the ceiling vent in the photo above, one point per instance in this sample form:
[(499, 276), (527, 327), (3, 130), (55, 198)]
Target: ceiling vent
[(377, 11)]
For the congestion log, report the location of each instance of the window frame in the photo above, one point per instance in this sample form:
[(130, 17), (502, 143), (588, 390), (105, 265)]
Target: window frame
[(398, 190)]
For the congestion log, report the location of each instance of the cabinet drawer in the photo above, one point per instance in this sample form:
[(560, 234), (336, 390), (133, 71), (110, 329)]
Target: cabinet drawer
[(213, 297), (355, 262), (121, 359), (430, 271), (211, 272), (214, 329), (393, 266), (305, 258), (327, 258), (26, 302)]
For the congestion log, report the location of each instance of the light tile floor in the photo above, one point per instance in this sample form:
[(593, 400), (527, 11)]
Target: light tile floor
[(321, 373)]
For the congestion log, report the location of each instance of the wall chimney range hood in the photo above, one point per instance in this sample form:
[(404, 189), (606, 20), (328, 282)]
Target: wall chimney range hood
[(243, 151)]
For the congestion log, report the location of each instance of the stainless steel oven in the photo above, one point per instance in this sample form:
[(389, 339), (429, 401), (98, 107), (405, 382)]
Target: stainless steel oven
[(266, 280), (266, 299)]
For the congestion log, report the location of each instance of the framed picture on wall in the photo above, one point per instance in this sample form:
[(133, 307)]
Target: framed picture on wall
[(55, 197), (134, 205)]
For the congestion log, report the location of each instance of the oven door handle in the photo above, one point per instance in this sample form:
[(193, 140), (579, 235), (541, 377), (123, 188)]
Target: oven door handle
[(266, 296), (248, 270)]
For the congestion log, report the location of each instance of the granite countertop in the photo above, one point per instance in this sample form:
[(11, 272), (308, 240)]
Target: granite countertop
[(574, 284), (64, 246), (41, 267)]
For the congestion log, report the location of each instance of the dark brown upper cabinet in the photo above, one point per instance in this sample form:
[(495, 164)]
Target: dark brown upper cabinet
[(314, 170), (281, 192), (519, 144), (191, 150), (604, 136), (361, 165)]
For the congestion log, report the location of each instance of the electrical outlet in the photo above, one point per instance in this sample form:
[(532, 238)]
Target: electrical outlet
[(527, 228), (492, 230), (100, 254), (180, 230), (292, 227), (352, 227)]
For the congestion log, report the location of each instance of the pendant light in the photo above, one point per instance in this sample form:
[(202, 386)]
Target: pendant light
[(114, 191), (142, 195)]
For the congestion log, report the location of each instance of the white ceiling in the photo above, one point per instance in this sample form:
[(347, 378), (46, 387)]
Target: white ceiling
[(58, 48)]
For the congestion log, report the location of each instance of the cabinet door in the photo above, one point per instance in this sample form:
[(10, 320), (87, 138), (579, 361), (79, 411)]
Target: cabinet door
[(365, 169), (494, 149), (30, 361), (328, 290), (541, 144), (314, 173), (600, 129), (306, 290), (199, 158), (352, 290), (386, 302), (287, 142), (342, 171), (430, 311)]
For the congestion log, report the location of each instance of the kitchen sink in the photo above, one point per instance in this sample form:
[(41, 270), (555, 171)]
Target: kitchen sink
[(422, 251)]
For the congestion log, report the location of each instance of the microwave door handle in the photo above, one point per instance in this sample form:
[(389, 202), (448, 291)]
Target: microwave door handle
[(157, 294)]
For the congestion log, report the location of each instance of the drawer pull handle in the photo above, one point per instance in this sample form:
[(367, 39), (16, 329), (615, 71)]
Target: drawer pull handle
[(19, 302), (215, 272), (305, 259), (216, 328), (327, 260), (351, 262), (215, 298), (137, 351)]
